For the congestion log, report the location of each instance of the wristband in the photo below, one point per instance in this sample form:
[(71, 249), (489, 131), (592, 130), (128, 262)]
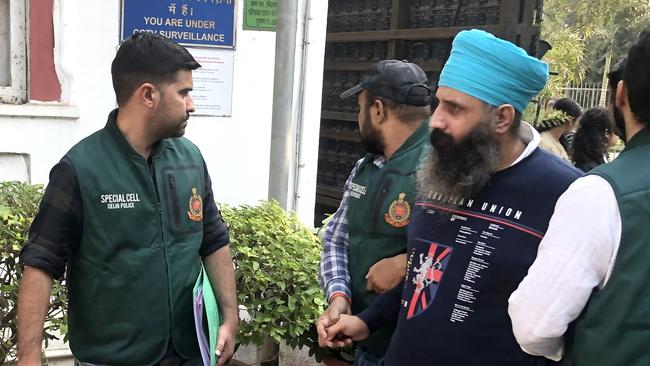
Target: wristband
[(340, 294)]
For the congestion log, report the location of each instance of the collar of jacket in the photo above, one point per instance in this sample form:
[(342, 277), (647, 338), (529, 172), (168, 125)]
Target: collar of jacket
[(639, 139), (116, 135)]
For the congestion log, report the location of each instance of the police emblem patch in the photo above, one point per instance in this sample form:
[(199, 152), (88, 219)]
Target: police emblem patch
[(399, 212), (196, 206)]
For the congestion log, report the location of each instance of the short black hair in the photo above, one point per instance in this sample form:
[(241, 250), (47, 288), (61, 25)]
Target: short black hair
[(406, 113), (637, 77), (590, 140), (613, 78), (568, 106), (146, 57)]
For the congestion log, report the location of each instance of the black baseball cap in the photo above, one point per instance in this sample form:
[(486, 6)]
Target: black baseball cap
[(400, 81)]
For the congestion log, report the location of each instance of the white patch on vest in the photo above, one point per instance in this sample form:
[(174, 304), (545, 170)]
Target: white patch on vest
[(357, 190), (119, 201)]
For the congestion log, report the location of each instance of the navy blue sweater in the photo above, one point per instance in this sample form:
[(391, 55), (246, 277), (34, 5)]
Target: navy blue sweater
[(465, 257)]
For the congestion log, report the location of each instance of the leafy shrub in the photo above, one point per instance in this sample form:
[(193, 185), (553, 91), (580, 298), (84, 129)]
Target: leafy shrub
[(18, 205), (276, 259)]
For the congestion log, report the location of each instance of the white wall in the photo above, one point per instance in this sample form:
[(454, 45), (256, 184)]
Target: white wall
[(14, 167), (236, 149), (43, 139), (309, 104)]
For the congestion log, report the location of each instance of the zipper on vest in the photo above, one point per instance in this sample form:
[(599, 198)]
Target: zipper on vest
[(152, 169), (162, 238), (175, 206)]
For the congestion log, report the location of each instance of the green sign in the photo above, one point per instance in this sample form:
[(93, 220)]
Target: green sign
[(260, 14)]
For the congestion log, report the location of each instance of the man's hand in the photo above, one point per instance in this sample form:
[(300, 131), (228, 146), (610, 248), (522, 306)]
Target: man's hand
[(33, 301), (331, 316), (386, 274), (349, 328), (226, 343), (222, 278)]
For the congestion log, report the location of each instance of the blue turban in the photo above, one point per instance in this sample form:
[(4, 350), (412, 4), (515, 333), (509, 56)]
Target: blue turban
[(493, 70)]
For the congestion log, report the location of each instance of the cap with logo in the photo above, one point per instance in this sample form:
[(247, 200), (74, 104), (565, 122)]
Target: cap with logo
[(399, 81)]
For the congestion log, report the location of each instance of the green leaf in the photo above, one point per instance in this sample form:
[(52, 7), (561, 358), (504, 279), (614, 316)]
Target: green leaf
[(276, 337), (282, 309), (4, 212)]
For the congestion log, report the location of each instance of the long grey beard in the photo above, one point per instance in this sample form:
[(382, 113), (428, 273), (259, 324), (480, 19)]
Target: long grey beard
[(458, 178)]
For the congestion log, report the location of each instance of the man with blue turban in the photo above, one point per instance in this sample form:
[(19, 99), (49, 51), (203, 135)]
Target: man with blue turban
[(486, 194)]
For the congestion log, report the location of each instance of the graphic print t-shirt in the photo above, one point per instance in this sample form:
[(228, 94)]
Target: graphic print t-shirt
[(465, 257)]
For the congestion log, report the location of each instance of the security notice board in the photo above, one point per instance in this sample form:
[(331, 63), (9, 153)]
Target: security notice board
[(206, 23), (212, 91)]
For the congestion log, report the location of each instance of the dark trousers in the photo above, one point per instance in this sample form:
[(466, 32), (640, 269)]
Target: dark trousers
[(171, 358)]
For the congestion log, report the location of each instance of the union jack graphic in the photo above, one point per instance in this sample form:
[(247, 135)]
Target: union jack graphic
[(427, 278)]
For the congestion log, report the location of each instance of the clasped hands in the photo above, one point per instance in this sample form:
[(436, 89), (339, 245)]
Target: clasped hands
[(336, 327)]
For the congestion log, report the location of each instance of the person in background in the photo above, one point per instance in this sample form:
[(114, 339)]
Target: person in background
[(552, 130), (592, 139)]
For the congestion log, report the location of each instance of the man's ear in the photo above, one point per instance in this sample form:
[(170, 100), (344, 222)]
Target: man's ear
[(379, 111), (505, 117), (147, 94), (621, 95)]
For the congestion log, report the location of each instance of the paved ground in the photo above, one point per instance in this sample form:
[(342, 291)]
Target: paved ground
[(59, 355)]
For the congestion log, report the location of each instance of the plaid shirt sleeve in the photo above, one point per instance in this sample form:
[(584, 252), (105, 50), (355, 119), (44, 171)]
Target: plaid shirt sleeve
[(56, 230), (334, 276), (215, 230)]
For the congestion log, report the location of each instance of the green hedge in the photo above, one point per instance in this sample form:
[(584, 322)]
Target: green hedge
[(18, 205), (276, 259)]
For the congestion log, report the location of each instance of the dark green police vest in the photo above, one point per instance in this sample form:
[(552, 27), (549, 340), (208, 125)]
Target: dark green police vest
[(379, 209), (614, 327), (130, 280)]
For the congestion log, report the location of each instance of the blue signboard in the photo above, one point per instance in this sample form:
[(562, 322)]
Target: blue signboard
[(208, 23)]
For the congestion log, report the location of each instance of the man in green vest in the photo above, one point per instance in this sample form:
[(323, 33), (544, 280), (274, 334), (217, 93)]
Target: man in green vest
[(129, 213), (587, 296), (365, 242)]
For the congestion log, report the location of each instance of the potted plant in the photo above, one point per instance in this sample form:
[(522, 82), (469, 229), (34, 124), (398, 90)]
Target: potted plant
[(276, 259)]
